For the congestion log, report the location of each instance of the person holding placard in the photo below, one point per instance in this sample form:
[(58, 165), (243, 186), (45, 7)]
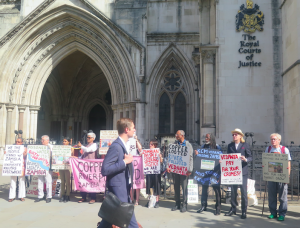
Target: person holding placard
[(274, 187), (13, 181), (210, 142), (88, 152), (240, 146), (47, 178)]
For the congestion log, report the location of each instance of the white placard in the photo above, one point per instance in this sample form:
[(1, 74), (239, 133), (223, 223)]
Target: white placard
[(192, 192), (151, 161), (106, 139), (132, 146), (13, 162), (38, 160), (178, 159), (60, 157), (231, 169)]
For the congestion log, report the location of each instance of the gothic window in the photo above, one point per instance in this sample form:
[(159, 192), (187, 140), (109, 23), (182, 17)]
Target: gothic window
[(172, 81), (180, 113), (164, 114)]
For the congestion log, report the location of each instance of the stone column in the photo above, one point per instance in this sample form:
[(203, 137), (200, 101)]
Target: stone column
[(115, 116), (33, 121), (172, 119), (9, 139), (140, 121), (21, 117)]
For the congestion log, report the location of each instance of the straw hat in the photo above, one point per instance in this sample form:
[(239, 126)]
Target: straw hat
[(238, 131)]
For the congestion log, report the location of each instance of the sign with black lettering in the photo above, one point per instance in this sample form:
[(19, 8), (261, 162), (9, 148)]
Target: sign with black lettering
[(178, 159), (13, 161), (38, 160), (138, 175), (60, 157), (275, 167)]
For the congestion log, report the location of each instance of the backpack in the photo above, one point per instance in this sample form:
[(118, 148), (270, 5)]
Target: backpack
[(282, 149)]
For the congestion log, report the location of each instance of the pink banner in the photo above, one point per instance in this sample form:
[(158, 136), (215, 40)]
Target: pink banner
[(138, 175), (87, 175)]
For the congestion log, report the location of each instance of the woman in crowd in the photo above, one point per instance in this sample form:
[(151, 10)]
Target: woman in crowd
[(210, 142)]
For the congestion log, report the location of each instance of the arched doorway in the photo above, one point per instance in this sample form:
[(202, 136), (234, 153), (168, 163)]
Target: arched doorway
[(97, 120)]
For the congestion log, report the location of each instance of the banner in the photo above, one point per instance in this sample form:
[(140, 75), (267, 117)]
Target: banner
[(178, 159), (138, 175), (87, 175), (106, 139), (33, 187), (38, 160), (207, 167), (151, 161), (13, 161), (60, 157), (192, 192), (132, 146), (231, 169), (275, 167)]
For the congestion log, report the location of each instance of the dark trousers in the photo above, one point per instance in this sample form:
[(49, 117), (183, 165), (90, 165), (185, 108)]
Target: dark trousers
[(133, 223), (282, 190), (244, 196), (84, 194), (180, 180), (204, 195)]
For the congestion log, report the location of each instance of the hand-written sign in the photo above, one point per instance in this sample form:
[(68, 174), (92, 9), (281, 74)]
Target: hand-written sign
[(231, 169), (87, 175), (60, 157), (38, 160), (151, 161), (106, 139), (13, 160), (178, 159), (275, 167), (192, 192), (33, 187), (138, 175), (132, 146), (207, 167)]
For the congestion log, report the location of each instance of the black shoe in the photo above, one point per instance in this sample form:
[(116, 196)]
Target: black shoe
[(156, 205), (217, 212), (203, 208), (38, 200), (243, 216), (147, 204), (62, 199), (183, 209), (230, 213), (67, 198), (176, 207), (48, 200)]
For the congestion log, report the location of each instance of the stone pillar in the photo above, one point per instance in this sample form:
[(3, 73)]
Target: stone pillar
[(115, 116), (140, 121), (21, 117), (33, 121), (9, 139), (172, 119)]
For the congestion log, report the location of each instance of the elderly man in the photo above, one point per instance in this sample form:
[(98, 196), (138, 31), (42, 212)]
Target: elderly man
[(181, 179), (89, 152), (47, 178), (274, 187)]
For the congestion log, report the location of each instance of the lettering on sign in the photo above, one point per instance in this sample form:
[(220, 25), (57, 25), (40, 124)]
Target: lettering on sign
[(275, 167), (178, 159), (231, 169), (151, 161)]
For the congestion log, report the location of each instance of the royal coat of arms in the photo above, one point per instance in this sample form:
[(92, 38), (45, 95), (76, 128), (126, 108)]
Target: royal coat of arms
[(249, 19)]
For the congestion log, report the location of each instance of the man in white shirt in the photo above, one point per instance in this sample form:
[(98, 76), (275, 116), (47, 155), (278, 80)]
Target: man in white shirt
[(274, 187)]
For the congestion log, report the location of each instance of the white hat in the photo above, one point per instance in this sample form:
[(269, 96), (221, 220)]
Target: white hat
[(239, 131)]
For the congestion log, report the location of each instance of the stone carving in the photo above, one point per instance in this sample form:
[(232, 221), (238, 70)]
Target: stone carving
[(173, 37), (172, 81), (208, 56)]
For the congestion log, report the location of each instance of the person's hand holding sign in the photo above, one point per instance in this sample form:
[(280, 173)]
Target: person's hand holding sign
[(196, 152), (243, 158), (188, 173)]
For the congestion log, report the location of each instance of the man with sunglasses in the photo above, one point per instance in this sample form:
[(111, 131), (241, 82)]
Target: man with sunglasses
[(88, 152), (240, 146)]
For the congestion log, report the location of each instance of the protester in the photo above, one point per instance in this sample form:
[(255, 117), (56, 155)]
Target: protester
[(181, 179), (274, 187), (65, 178), (117, 167), (47, 178), (210, 142), (88, 152), (240, 146), (13, 181)]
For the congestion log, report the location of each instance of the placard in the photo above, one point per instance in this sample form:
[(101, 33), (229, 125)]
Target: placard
[(138, 175), (38, 160), (60, 157), (178, 159), (87, 175), (132, 146), (13, 161), (192, 192), (33, 187), (56, 188), (231, 169), (207, 167), (151, 161), (275, 167), (106, 139)]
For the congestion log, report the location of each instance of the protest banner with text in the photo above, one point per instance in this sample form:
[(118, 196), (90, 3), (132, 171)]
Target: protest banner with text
[(13, 161), (87, 175), (178, 159), (38, 160), (60, 157), (231, 169), (138, 175), (132, 146), (207, 167), (151, 161), (33, 187), (192, 192), (106, 139), (275, 167)]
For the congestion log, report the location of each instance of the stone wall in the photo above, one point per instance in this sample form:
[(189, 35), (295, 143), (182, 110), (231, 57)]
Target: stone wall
[(9, 15)]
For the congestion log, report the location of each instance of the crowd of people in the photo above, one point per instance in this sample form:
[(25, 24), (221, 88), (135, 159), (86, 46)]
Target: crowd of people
[(117, 168)]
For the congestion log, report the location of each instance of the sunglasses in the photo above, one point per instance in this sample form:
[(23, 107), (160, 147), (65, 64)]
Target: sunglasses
[(89, 137), (234, 134)]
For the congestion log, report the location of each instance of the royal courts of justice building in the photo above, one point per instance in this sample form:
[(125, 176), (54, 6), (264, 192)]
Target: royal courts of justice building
[(198, 65)]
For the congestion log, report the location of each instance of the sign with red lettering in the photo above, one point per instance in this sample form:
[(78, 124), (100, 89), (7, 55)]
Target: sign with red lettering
[(178, 159), (38, 160), (231, 169), (33, 187), (151, 161)]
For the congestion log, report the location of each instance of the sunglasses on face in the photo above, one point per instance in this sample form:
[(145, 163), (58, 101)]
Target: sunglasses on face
[(234, 134), (89, 137)]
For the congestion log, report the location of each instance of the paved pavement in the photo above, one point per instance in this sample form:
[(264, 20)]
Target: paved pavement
[(73, 214)]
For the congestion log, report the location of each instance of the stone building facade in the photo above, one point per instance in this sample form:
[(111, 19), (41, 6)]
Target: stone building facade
[(74, 65)]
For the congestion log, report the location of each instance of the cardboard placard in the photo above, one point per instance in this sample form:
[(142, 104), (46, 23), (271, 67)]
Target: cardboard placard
[(207, 167), (60, 157), (138, 175), (106, 139), (38, 160), (33, 187), (13, 161), (192, 192), (178, 159), (231, 169), (132, 146), (275, 167), (151, 161)]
